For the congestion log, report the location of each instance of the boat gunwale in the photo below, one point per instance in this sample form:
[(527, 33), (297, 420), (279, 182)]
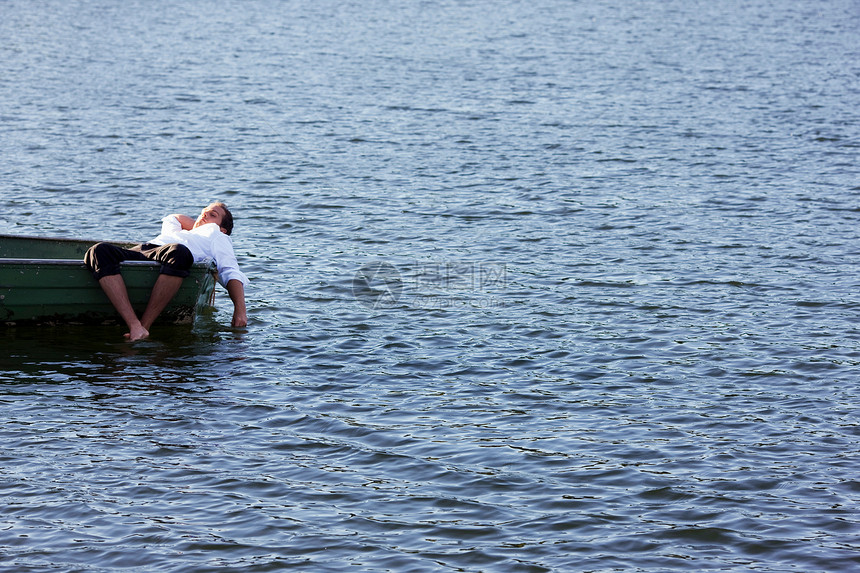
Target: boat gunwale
[(64, 239), (76, 262)]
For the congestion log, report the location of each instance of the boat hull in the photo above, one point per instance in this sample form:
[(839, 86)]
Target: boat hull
[(44, 281)]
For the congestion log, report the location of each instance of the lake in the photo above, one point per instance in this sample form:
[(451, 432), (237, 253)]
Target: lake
[(535, 286)]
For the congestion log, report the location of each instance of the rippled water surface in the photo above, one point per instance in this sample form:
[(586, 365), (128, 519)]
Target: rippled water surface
[(536, 286)]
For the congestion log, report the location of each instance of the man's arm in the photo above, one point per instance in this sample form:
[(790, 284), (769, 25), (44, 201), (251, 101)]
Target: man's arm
[(186, 222), (236, 290)]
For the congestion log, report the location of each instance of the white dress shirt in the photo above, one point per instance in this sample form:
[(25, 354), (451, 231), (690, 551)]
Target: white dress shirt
[(205, 242)]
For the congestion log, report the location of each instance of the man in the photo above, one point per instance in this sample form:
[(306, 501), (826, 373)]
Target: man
[(182, 241)]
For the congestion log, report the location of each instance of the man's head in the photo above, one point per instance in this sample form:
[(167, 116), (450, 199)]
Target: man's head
[(216, 213)]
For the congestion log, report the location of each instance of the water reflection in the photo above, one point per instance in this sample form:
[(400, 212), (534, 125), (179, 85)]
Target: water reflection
[(173, 356)]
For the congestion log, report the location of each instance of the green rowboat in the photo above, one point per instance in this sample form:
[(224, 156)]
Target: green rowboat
[(45, 281)]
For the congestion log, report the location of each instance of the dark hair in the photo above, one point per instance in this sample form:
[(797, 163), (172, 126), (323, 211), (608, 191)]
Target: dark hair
[(227, 221)]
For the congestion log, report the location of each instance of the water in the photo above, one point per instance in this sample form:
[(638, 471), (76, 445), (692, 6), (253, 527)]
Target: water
[(536, 286)]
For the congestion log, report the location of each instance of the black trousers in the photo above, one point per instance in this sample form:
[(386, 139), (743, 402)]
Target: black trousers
[(104, 259)]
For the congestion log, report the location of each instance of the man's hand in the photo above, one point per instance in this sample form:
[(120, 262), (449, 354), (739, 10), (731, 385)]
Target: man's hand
[(236, 290), (239, 320)]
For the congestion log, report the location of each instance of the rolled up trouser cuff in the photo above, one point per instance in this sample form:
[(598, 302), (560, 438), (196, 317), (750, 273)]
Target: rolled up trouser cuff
[(175, 259), (103, 259)]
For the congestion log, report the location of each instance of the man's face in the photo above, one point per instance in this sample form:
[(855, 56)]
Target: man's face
[(211, 214)]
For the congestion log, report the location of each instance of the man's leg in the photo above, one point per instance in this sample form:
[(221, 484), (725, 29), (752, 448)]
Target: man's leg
[(104, 261), (114, 288), (176, 260), (163, 291)]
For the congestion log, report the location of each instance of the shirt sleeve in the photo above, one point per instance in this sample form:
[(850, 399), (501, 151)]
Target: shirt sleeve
[(225, 260), (170, 225)]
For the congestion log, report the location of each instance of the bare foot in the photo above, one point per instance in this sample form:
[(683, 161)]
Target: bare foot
[(136, 334)]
